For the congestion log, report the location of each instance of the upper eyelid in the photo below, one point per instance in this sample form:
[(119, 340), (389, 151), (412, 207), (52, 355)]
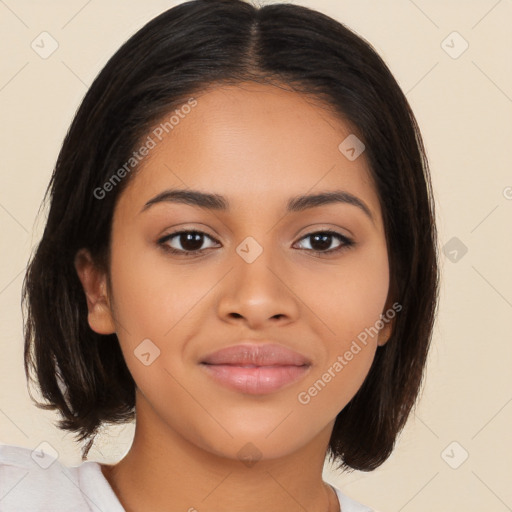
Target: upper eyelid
[(168, 236)]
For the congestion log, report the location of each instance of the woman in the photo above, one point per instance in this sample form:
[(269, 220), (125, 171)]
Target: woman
[(240, 253)]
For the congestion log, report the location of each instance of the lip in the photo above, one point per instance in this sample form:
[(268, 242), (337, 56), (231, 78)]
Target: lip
[(256, 369)]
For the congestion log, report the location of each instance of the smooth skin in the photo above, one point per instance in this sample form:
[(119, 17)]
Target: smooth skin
[(258, 146)]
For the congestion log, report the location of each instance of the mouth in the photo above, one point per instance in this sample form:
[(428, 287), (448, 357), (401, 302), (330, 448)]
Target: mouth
[(256, 369)]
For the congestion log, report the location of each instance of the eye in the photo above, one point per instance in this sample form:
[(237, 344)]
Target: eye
[(321, 242), (190, 242)]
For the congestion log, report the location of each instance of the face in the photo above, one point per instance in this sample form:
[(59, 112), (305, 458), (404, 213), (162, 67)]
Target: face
[(261, 269)]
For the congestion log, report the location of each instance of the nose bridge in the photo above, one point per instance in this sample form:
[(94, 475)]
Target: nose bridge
[(254, 267)]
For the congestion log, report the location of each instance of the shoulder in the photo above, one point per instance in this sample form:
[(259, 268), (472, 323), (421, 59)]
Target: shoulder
[(38, 481), (349, 505)]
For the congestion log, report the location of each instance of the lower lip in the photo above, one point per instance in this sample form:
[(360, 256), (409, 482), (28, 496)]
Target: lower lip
[(258, 380)]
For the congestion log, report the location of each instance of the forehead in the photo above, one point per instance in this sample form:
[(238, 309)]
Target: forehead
[(252, 142)]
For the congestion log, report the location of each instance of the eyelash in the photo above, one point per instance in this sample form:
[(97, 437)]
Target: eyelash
[(347, 242)]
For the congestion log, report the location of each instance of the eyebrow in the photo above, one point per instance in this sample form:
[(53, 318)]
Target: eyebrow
[(220, 203)]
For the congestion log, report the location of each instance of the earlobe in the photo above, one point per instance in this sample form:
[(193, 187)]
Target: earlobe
[(95, 288), (387, 330), (385, 334)]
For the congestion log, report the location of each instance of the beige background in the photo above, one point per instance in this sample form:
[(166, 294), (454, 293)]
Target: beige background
[(464, 108)]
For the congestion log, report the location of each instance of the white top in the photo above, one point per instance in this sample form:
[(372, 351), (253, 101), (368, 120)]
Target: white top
[(35, 481)]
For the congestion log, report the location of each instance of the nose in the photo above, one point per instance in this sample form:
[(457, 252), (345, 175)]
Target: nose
[(258, 294)]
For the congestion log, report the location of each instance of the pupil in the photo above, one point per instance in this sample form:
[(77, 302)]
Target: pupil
[(324, 244), (191, 241)]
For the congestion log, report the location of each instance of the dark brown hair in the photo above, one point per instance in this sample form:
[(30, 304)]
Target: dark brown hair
[(180, 53)]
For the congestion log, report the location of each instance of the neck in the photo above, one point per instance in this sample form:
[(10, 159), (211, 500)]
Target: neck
[(166, 472)]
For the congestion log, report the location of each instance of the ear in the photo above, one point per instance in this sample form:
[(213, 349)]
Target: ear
[(94, 283), (387, 330), (385, 333)]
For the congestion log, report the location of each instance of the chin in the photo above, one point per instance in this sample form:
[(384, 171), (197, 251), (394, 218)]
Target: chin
[(260, 442)]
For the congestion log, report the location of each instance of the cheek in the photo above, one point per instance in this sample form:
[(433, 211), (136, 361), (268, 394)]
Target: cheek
[(158, 308), (349, 302), (350, 296), (334, 385), (151, 295)]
